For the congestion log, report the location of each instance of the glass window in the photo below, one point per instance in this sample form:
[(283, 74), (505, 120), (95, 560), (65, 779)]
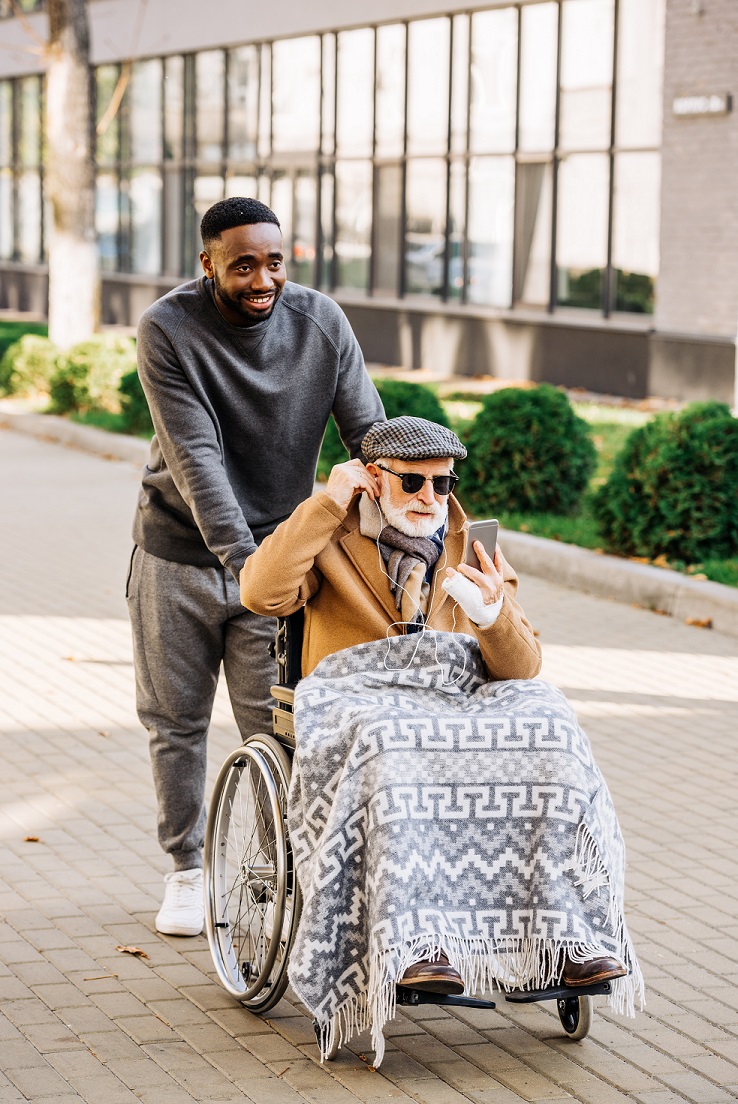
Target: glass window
[(640, 72), (207, 189), (586, 74), (355, 106), (108, 117), (425, 235), (6, 123), (239, 185), (29, 217), (328, 123), (581, 230), (6, 214), (210, 99), (302, 268), (145, 111), (533, 213), (390, 109), (264, 141), (387, 229), (326, 230), (635, 247), (107, 220), (243, 102), (296, 94), (491, 200), (428, 77), (353, 223), (460, 83), (281, 204), (29, 146), (145, 215), (173, 215), (173, 108), (538, 37), (494, 80), (457, 221)]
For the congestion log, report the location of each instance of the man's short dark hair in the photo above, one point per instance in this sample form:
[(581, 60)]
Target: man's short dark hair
[(237, 211)]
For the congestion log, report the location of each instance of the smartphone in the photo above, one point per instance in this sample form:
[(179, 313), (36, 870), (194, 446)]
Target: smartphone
[(486, 532)]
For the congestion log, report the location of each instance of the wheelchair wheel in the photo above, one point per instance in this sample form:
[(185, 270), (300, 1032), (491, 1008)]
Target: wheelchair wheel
[(575, 1014), (252, 900)]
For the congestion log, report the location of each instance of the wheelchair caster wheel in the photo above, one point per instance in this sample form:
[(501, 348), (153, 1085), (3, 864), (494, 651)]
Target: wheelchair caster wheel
[(575, 1014)]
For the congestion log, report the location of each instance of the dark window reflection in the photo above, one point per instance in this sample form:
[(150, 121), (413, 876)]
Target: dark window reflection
[(533, 212), (388, 229), (353, 223), (425, 240), (635, 252), (581, 247), (491, 201)]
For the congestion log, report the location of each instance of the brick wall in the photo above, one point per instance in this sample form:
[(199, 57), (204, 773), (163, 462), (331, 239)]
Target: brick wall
[(698, 282)]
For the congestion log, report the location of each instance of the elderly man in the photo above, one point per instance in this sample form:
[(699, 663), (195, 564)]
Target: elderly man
[(449, 825)]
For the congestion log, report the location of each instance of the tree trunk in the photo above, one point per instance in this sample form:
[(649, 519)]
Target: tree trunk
[(74, 282)]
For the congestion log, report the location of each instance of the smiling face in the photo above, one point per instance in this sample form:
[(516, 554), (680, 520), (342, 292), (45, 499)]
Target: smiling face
[(417, 515), (246, 266)]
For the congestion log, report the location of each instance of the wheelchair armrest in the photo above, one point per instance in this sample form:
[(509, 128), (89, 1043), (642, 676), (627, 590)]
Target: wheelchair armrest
[(285, 695)]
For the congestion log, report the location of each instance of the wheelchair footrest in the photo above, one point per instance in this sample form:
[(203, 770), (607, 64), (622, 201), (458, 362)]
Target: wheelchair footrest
[(420, 996), (557, 992)]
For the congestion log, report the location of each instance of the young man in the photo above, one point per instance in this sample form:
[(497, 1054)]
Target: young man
[(241, 369)]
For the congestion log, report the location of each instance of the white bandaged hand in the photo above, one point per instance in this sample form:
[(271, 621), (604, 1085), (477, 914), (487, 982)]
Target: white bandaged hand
[(469, 597)]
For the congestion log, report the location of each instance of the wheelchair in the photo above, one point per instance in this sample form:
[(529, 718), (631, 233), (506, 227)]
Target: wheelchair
[(252, 896)]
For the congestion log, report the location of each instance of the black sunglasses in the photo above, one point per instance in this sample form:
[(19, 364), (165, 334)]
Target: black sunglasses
[(412, 482)]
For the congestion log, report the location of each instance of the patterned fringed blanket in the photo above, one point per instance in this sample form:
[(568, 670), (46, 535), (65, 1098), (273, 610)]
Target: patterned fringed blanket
[(432, 809)]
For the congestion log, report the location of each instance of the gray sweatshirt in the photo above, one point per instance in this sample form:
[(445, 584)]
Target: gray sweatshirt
[(239, 414)]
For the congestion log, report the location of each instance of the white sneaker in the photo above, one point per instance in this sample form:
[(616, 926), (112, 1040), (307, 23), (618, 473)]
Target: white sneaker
[(183, 911)]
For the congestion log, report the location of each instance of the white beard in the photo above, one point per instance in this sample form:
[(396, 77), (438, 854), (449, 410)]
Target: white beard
[(396, 516)]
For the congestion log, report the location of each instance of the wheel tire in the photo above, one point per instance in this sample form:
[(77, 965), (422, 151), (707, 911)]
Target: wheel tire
[(252, 900), (575, 1014)]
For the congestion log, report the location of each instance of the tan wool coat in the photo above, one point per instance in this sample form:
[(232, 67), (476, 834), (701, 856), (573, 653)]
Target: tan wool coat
[(318, 558)]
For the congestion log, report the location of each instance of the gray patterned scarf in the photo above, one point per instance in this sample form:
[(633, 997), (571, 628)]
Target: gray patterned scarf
[(402, 555)]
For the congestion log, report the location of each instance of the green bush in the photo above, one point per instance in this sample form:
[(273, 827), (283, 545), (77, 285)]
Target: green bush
[(528, 452), (134, 407), (89, 374), (10, 332), (674, 488), (398, 397), (28, 366)]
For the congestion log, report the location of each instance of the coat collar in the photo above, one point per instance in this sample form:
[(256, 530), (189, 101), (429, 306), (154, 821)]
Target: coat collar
[(363, 553)]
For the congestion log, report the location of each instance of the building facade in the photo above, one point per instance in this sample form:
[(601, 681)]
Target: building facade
[(534, 190)]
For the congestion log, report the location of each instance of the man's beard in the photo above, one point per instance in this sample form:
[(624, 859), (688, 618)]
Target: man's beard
[(396, 516), (237, 304)]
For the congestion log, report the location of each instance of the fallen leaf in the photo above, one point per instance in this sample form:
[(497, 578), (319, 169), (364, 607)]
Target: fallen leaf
[(700, 575), (660, 612), (102, 732), (132, 951), (69, 659), (699, 622), (639, 559), (31, 839)]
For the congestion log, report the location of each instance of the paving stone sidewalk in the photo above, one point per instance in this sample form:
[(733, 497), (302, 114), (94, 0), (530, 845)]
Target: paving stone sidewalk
[(80, 870)]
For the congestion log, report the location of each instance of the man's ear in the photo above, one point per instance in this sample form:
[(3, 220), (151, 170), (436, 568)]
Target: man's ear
[(207, 264)]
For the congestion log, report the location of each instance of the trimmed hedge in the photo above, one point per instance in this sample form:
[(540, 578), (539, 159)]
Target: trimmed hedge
[(28, 366), (88, 376), (134, 407), (398, 397), (528, 452), (674, 488)]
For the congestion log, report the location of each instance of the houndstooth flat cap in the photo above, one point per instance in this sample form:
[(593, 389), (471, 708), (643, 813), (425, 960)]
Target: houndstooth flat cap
[(409, 438)]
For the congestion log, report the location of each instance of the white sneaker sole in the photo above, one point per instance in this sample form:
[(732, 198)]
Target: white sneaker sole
[(177, 929)]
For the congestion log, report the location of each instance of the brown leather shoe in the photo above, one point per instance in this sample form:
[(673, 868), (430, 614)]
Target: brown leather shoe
[(592, 972), (433, 977)]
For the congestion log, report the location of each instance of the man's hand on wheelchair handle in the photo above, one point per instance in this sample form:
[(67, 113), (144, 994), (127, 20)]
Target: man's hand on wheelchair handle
[(349, 479)]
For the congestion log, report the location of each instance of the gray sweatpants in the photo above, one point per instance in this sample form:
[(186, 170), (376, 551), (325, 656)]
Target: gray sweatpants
[(186, 620)]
